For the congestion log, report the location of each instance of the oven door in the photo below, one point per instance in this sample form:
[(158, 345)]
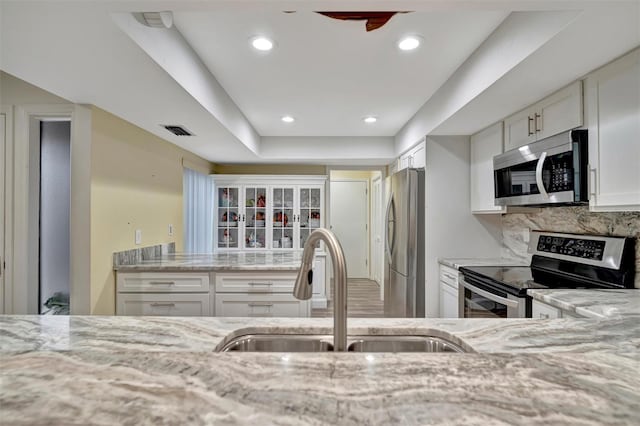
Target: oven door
[(476, 302)]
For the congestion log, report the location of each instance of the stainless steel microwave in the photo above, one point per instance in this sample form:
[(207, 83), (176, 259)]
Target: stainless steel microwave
[(550, 171)]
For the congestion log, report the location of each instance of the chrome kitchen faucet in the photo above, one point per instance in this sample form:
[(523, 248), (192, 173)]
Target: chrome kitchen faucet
[(304, 282)]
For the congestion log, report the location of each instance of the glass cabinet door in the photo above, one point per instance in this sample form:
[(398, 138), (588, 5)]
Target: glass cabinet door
[(310, 212), (255, 219), (282, 219), (227, 217)]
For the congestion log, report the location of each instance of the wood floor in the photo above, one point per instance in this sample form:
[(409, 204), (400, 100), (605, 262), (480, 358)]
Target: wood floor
[(363, 301)]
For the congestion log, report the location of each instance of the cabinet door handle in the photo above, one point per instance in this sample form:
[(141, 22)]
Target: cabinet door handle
[(265, 314), (537, 118), (157, 304), (451, 277), (162, 282), (529, 122), (592, 181), (543, 316)]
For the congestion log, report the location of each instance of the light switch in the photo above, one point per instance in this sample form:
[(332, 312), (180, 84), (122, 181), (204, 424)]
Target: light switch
[(170, 230), (138, 236)]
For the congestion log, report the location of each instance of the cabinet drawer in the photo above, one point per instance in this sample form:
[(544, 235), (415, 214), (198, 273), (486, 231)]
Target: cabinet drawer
[(255, 282), (261, 305), (163, 304), (541, 310), (449, 276), (163, 282)]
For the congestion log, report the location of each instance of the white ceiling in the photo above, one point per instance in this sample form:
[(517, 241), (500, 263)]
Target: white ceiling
[(329, 74), (326, 73)]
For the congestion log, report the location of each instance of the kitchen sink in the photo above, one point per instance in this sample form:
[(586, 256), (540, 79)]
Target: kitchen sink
[(323, 343), (279, 343), (402, 344)]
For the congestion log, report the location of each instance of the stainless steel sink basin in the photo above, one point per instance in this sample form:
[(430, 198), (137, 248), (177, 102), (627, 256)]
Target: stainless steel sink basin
[(279, 343), (323, 343), (402, 344)]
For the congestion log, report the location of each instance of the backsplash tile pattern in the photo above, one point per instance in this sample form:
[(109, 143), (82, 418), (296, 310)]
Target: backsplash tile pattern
[(579, 220), (133, 256)]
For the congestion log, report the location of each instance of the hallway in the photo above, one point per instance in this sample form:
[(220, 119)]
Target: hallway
[(363, 301)]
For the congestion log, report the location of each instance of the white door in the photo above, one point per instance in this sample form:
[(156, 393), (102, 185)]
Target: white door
[(349, 221), (377, 230), (2, 169)]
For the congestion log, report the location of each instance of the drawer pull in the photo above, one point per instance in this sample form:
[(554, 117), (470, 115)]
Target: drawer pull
[(260, 304), (162, 282), (544, 316), (266, 314), (451, 277), (168, 305), (254, 284)]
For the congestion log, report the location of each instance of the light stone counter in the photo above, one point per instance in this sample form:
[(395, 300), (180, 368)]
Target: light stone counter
[(458, 262), (161, 370), (245, 261), (592, 303)]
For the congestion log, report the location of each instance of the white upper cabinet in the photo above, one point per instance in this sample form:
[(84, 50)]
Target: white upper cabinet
[(555, 114), (613, 115), (484, 146), (414, 158)]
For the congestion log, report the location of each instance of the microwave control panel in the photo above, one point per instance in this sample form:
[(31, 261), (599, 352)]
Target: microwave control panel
[(561, 177), (576, 247)]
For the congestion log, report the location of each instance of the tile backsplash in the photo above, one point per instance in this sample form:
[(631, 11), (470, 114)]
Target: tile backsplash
[(579, 220)]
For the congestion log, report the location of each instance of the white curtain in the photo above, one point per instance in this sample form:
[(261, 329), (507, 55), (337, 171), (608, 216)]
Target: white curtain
[(198, 212)]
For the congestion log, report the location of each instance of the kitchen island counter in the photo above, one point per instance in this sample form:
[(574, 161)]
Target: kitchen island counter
[(107, 370)]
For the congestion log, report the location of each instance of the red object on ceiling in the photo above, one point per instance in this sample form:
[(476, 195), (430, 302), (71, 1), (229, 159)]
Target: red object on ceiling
[(374, 20)]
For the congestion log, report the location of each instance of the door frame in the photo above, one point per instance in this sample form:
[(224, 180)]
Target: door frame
[(6, 193), (368, 223), (25, 223), (377, 256)]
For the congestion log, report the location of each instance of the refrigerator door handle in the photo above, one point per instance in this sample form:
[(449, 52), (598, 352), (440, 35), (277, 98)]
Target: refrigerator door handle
[(390, 220)]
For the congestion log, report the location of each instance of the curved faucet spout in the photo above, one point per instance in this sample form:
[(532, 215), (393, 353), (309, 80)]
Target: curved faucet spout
[(303, 288)]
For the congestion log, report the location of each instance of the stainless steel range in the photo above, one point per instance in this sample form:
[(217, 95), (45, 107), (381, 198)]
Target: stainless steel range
[(559, 261)]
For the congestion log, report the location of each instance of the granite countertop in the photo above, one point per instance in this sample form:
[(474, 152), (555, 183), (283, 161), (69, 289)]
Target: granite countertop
[(152, 370), (592, 303), (259, 261), (457, 262)]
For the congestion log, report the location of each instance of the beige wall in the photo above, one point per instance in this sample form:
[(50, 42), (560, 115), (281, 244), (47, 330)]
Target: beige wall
[(136, 183), (14, 91), (269, 169)]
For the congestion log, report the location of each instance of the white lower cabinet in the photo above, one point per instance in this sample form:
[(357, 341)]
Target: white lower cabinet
[(260, 305), (163, 304), (448, 292), (258, 294), (541, 310), (163, 293)]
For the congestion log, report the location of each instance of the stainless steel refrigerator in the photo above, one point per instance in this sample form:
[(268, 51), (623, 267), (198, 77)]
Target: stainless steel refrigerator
[(404, 246)]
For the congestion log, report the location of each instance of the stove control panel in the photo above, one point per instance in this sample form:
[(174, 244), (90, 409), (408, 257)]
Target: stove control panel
[(570, 246)]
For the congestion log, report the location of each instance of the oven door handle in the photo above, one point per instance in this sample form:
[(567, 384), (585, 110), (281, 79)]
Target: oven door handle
[(539, 169), (491, 296)]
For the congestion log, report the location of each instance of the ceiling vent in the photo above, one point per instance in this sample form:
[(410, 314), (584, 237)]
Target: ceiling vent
[(177, 130)]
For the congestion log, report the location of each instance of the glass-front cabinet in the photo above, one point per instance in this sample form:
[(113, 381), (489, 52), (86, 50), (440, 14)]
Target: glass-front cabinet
[(228, 217), (267, 212)]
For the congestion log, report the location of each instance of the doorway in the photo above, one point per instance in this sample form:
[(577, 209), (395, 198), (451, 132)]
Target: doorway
[(349, 216), (54, 202), (3, 150)]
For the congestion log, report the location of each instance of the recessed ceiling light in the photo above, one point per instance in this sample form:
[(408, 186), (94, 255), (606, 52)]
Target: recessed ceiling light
[(370, 119), (262, 43), (288, 119), (409, 43)]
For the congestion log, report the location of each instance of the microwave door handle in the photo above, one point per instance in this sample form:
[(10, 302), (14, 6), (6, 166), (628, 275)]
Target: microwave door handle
[(539, 169), (389, 244), (499, 299)]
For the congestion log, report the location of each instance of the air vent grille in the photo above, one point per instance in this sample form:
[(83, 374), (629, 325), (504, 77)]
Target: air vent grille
[(178, 130)]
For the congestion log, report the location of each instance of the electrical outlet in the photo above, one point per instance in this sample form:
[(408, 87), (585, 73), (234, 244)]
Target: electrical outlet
[(170, 230), (138, 236), (525, 236)]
